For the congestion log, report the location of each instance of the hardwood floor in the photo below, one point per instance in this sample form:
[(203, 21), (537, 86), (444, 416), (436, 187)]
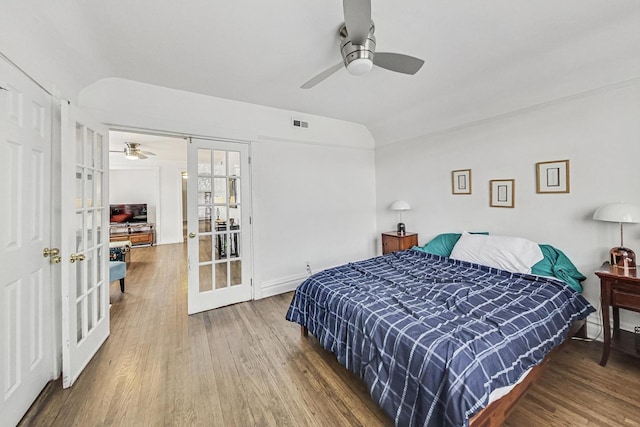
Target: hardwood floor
[(245, 365)]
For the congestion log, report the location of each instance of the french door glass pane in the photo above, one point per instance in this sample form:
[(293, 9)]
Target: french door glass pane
[(99, 145), (79, 188), (88, 149), (236, 273), (99, 233), (219, 190), (234, 248), (99, 269), (98, 180), (99, 293), (221, 275), (204, 219), (79, 317), (90, 228), (205, 247), (88, 185), (234, 217), (206, 279), (234, 191), (79, 282), (79, 142), (219, 163), (90, 306), (79, 231), (88, 261)]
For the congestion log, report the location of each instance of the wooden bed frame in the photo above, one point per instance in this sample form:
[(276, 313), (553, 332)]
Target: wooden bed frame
[(496, 413)]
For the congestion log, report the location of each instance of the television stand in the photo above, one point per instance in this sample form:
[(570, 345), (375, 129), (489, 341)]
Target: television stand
[(139, 233)]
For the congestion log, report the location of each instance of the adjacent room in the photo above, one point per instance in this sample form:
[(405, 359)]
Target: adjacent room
[(320, 213)]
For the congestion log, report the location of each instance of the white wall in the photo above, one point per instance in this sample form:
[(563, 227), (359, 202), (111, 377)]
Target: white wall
[(599, 132), (313, 189), (312, 203)]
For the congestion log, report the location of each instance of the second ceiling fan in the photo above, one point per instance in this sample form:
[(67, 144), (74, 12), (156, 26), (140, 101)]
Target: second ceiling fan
[(132, 151), (358, 47)]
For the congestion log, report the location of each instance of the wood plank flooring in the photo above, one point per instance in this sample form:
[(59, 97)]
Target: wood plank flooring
[(244, 365)]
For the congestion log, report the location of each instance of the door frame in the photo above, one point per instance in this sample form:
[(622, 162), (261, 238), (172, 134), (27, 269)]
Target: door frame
[(249, 141)]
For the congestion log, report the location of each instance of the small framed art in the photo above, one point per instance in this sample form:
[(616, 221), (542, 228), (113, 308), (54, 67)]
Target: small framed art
[(552, 177), (461, 181), (502, 193)]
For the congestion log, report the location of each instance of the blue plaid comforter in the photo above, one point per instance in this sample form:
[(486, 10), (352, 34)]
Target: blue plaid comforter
[(432, 336)]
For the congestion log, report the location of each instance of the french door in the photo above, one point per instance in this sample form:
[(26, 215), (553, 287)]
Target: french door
[(85, 238), (218, 224), (26, 325)]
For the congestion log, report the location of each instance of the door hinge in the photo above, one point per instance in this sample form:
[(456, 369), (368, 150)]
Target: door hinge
[(250, 219), (249, 159)]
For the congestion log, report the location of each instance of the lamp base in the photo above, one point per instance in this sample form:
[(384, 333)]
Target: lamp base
[(622, 257)]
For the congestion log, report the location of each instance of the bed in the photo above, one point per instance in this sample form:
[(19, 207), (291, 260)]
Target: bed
[(432, 336)]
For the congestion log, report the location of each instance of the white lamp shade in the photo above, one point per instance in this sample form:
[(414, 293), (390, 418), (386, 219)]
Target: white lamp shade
[(618, 212), (400, 205)]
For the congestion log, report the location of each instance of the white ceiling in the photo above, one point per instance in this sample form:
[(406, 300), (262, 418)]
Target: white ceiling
[(163, 147), (483, 58)]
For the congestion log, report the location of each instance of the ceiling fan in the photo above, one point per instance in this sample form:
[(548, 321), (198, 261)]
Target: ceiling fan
[(132, 151), (358, 47)]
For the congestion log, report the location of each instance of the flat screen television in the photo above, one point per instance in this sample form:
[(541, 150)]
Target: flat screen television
[(128, 212)]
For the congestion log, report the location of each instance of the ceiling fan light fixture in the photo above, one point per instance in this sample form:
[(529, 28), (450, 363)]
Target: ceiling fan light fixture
[(130, 154), (360, 66)]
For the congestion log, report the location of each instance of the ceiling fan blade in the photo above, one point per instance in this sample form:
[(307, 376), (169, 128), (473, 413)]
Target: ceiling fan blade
[(147, 153), (398, 62), (142, 156), (116, 151), (323, 75), (357, 19)]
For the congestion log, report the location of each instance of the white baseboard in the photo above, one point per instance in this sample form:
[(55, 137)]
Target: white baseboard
[(270, 288), (594, 328)]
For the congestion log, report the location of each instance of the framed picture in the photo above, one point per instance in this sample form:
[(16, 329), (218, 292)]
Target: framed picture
[(502, 193), (461, 181), (552, 177)]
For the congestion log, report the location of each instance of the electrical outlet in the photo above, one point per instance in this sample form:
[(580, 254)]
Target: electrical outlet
[(309, 268)]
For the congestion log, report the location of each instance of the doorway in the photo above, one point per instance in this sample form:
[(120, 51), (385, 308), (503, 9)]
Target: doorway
[(150, 180), (172, 169)]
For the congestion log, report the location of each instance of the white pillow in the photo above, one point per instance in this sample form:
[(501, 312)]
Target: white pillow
[(514, 254)]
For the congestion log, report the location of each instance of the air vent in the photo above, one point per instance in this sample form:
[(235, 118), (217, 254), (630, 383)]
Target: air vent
[(299, 123)]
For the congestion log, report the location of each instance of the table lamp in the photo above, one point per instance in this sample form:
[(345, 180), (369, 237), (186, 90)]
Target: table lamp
[(622, 213), (399, 206)]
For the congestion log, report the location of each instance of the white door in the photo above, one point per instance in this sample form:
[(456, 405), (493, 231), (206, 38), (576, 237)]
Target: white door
[(26, 325), (85, 238), (218, 225)]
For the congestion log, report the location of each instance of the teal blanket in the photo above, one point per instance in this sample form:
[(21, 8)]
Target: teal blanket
[(556, 263)]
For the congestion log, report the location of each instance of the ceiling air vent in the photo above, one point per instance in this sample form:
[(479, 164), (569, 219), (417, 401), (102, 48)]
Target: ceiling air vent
[(299, 123)]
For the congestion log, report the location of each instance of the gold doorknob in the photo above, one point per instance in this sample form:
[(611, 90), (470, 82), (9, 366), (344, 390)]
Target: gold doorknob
[(192, 235), (53, 251), (76, 257), (56, 259)]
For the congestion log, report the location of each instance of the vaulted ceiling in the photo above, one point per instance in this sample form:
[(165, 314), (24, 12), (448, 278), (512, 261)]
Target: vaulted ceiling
[(482, 58)]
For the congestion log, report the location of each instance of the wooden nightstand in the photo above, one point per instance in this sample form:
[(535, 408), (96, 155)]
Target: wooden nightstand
[(392, 241), (618, 290)]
